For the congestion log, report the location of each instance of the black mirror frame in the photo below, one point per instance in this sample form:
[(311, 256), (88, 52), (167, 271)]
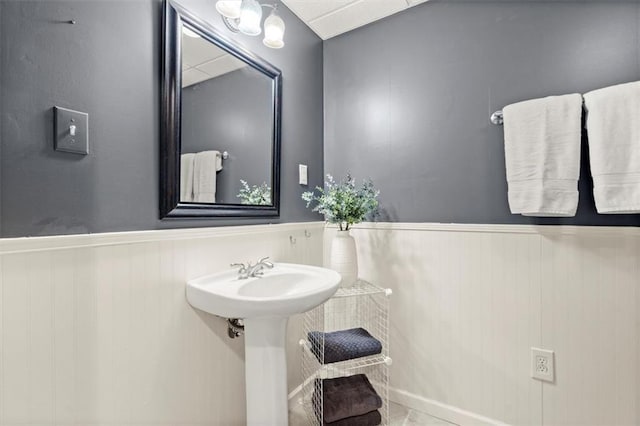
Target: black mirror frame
[(170, 126)]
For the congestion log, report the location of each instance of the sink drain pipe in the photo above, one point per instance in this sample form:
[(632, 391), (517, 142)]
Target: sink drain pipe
[(235, 327)]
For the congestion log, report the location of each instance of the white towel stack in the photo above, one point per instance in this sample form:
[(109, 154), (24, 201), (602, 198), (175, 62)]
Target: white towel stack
[(206, 165), (542, 153), (186, 178), (613, 125)]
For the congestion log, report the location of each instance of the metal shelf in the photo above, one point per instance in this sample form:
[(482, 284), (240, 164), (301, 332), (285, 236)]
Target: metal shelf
[(350, 364), (361, 288), (361, 305)]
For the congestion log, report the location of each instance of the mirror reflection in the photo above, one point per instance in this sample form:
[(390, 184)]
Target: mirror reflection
[(227, 127)]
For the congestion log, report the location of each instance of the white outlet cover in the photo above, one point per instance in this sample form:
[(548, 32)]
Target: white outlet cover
[(542, 364)]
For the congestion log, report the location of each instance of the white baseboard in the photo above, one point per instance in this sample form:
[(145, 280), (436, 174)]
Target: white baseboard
[(434, 408), (438, 409)]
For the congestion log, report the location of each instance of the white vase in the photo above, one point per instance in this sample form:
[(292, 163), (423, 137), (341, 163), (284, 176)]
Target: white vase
[(344, 258)]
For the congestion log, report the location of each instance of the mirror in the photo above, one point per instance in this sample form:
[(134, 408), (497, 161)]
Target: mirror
[(220, 141)]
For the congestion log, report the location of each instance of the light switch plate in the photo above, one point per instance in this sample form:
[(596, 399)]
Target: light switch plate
[(302, 174), (71, 131)]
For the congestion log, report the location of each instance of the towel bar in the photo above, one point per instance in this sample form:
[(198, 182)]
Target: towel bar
[(497, 117)]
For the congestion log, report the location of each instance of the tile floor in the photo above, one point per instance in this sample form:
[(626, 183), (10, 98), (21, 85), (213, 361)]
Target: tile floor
[(398, 416)]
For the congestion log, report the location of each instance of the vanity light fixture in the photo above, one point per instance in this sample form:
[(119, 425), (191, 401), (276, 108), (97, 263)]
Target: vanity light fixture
[(245, 16)]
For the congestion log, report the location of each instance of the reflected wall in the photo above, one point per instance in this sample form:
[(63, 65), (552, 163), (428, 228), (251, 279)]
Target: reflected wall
[(230, 113)]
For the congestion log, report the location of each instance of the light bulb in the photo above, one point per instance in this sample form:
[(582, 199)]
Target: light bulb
[(229, 8), (250, 17), (273, 31)]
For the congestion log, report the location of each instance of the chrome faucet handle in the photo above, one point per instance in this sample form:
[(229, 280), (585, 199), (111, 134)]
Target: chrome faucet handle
[(242, 266), (264, 261), (243, 270)]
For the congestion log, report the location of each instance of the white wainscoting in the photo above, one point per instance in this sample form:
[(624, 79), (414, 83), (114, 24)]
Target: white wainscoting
[(470, 300), (95, 329)]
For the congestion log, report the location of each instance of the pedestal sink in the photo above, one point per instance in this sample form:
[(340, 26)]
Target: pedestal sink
[(265, 303)]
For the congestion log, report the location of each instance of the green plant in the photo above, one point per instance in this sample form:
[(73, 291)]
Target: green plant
[(344, 203), (259, 195)]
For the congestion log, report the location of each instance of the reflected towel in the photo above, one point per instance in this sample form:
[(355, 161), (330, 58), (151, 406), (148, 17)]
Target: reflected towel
[(542, 155), (345, 397), (343, 345), (613, 126), (186, 177), (205, 167)]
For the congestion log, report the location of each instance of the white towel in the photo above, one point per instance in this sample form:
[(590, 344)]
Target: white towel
[(613, 125), (206, 164), (186, 177), (542, 153), (218, 161)]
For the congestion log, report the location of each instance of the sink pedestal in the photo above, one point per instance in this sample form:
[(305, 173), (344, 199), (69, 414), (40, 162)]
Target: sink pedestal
[(265, 303), (266, 371)]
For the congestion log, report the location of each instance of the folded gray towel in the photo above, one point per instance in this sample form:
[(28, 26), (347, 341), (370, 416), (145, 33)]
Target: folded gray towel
[(372, 418), (345, 397), (344, 344)]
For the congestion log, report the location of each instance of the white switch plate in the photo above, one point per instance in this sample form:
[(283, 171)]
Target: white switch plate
[(542, 365), (302, 174)]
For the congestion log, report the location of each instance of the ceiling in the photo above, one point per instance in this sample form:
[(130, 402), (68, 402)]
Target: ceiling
[(202, 60), (329, 18)]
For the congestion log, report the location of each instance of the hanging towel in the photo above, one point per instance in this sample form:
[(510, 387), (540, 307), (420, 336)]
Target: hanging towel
[(218, 161), (542, 154), (343, 345), (186, 177), (345, 397), (613, 126), (205, 167)]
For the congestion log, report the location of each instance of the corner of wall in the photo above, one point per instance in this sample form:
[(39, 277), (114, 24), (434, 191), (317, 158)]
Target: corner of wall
[(1, 111), (638, 35)]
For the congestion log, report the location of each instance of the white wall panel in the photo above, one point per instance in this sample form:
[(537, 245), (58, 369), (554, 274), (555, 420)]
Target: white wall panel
[(96, 330), (591, 300), (471, 300), (15, 339)]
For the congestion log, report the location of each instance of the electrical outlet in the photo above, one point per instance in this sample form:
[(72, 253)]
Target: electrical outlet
[(542, 365)]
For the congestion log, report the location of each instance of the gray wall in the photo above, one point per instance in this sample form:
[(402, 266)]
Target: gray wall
[(408, 99), (108, 64), (244, 98)]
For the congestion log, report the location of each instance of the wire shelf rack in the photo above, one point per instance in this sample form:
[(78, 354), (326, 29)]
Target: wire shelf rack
[(361, 288), (362, 305), (348, 365)]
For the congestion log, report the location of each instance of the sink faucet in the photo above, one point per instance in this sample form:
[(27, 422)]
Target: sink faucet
[(252, 271)]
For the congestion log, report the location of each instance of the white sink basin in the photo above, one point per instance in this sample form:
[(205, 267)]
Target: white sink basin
[(265, 303), (285, 290)]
